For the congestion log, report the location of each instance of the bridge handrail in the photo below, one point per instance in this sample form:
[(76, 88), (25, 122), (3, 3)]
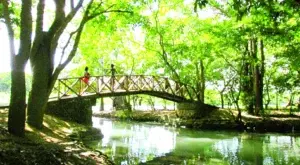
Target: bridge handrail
[(188, 89), (67, 78)]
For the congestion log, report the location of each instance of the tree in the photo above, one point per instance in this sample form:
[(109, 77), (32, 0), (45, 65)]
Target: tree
[(42, 51), (16, 116)]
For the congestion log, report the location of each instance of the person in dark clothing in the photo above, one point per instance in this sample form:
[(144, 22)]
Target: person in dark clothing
[(113, 70)]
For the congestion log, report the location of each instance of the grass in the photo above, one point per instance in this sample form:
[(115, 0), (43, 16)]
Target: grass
[(51, 145)]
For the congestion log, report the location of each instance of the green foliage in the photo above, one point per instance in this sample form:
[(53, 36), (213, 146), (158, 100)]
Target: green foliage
[(166, 38), (1, 12), (14, 9), (5, 82), (123, 114)]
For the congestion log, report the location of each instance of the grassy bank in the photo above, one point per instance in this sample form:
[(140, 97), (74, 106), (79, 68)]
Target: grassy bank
[(275, 121), (59, 142)]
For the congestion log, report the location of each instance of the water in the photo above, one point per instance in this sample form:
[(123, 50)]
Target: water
[(128, 143)]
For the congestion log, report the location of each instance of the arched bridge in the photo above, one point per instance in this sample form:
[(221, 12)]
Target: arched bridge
[(120, 85)]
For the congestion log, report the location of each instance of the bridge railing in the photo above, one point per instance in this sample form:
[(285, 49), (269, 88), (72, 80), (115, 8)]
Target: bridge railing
[(121, 83)]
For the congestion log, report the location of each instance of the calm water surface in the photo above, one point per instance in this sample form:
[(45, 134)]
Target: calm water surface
[(129, 143)]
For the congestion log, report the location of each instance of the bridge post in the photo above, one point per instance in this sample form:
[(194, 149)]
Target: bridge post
[(186, 110), (121, 103), (74, 109), (193, 109)]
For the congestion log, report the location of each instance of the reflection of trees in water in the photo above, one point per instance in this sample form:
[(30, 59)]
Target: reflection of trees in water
[(282, 150), (128, 143), (133, 143), (260, 149), (251, 149), (192, 149)]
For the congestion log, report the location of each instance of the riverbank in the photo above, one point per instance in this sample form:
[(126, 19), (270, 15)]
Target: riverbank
[(59, 142), (216, 120)]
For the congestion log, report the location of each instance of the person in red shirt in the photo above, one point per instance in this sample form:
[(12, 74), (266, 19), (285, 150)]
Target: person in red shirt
[(86, 76)]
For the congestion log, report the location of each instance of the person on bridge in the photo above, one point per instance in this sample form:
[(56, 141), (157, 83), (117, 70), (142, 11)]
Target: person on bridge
[(113, 70), (86, 76), (113, 75)]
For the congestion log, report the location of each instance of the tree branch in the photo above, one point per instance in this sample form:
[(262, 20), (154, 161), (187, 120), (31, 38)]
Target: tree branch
[(109, 11), (39, 19), (59, 17), (72, 4), (60, 30), (230, 64), (61, 66), (78, 32), (66, 45), (8, 24), (26, 30), (164, 53)]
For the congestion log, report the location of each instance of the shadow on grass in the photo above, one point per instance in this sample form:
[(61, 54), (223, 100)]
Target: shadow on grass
[(54, 130), (49, 145)]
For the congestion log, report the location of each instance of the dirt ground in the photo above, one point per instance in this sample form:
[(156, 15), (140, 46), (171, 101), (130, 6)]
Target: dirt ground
[(56, 143)]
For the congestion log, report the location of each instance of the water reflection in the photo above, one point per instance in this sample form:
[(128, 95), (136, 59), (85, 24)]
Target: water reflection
[(260, 149), (136, 143)]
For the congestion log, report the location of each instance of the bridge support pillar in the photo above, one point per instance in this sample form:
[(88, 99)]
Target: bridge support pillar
[(120, 103), (193, 109), (76, 109)]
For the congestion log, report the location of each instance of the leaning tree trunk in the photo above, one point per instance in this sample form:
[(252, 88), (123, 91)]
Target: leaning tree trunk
[(41, 68), (42, 56), (43, 51)]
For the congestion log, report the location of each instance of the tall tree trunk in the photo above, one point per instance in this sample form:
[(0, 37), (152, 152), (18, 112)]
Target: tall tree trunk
[(17, 106), (247, 78), (202, 73), (267, 102), (200, 85), (291, 102), (235, 100), (222, 100), (42, 56), (261, 78), (277, 102), (41, 67), (298, 104), (101, 104), (258, 76)]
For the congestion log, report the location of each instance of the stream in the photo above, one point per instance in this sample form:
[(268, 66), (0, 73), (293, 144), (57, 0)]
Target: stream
[(129, 143)]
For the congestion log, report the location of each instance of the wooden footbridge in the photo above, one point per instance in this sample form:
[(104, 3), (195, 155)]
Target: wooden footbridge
[(120, 85)]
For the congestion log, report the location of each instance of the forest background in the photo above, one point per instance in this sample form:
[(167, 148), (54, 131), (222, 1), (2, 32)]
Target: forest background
[(239, 53)]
